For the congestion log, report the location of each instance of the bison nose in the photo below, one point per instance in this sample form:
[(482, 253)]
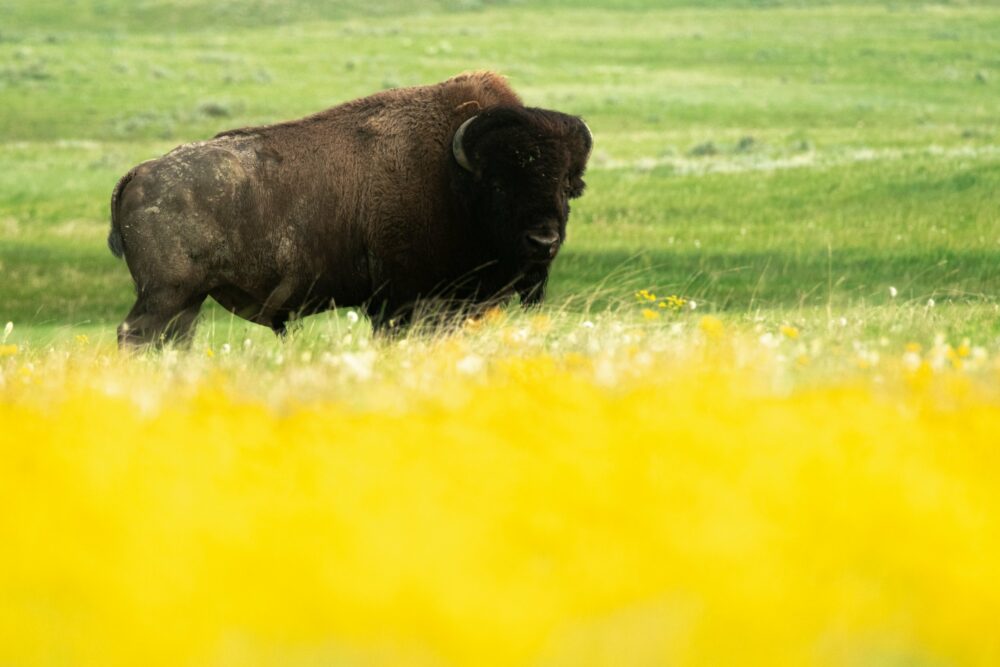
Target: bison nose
[(543, 243)]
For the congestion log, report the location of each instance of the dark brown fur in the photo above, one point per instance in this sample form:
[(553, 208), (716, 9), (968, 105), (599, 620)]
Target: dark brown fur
[(362, 204)]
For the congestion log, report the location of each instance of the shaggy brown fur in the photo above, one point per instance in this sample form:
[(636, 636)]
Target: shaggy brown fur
[(363, 204)]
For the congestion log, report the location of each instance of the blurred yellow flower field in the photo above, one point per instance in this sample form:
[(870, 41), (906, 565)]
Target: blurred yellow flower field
[(484, 499)]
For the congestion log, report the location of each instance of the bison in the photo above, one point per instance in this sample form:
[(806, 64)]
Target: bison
[(454, 194)]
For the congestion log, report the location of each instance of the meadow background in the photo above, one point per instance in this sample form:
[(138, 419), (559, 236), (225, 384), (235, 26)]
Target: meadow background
[(790, 462), (751, 155)]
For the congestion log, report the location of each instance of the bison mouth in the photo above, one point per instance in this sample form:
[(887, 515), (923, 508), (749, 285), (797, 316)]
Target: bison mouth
[(531, 284)]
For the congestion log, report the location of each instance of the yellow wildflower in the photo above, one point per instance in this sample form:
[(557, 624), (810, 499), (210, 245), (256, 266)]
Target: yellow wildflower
[(789, 331), (209, 353), (574, 360), (693, 498), (675, 302), (492, 316), (711, 326), (645, 295), (472, 324), (8, 350), (956, 355), (650, 314), (541, 323), (82, 339), (921, 376), (913, 347)]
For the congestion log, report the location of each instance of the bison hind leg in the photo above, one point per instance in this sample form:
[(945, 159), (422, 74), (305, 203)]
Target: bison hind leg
[(159, 317), (283, 323), (279, 326)]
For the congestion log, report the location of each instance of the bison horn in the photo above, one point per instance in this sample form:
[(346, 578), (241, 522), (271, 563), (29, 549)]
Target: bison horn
[(590, 135), (458, 149)]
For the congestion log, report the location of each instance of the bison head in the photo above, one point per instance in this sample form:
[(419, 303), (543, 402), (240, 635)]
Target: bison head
[(522, 166)]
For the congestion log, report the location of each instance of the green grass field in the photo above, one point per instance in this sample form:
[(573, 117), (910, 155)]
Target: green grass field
[(775, 158)]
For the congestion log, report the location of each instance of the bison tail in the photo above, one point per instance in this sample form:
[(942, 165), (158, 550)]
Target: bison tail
[(115, 241)]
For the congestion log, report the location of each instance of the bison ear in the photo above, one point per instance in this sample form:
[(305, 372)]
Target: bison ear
[(458, 148)]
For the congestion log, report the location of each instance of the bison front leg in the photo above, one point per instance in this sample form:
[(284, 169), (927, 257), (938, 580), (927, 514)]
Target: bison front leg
[(158, 317)]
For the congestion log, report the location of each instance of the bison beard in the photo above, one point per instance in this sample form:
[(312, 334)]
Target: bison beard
[(438, 199)]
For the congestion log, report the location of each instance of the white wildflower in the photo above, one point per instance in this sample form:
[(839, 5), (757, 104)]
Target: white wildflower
[(770, 341), (470, 364), (911, 360), (605, 373), (226, 349), (360, 364), (587, 324), (692, 304), (930, 303), (352, 317), (893, 292), (146, 401)]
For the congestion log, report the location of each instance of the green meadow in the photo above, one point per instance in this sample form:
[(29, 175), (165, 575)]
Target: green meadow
[(796, 161)]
